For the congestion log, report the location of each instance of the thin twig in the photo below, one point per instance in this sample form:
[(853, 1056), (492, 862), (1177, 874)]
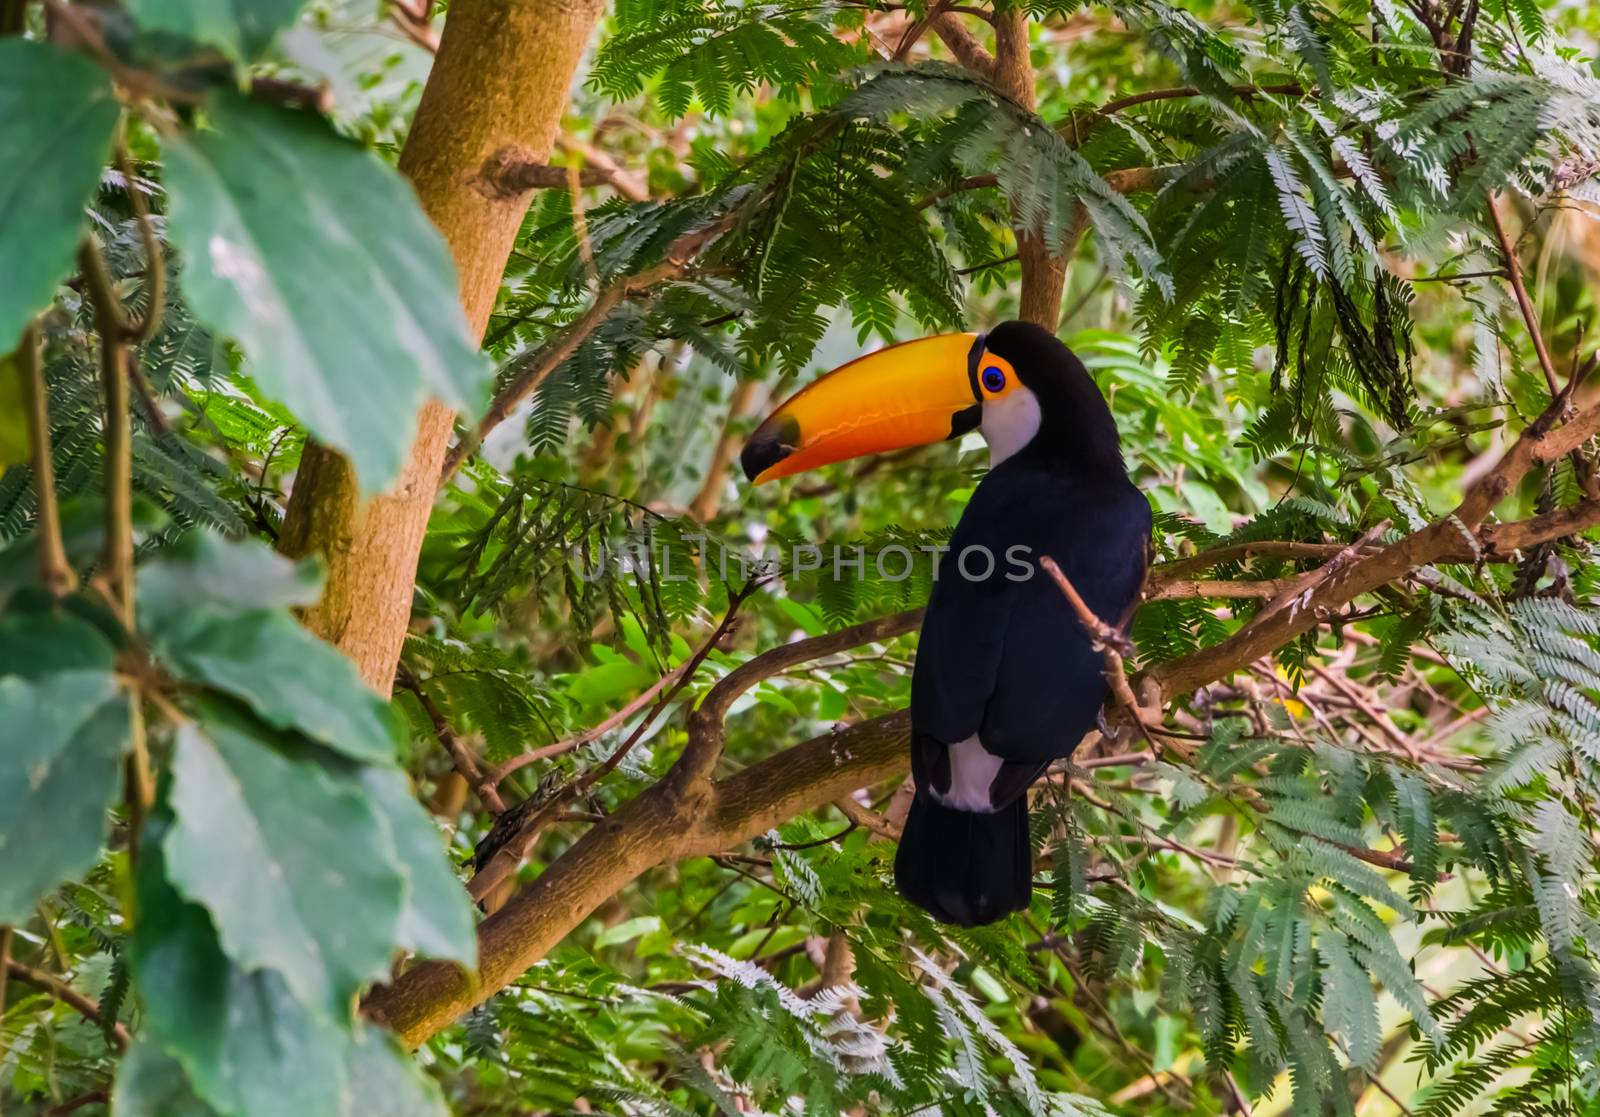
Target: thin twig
[(678, 261), (1530, 317), (1108, 642), (54, 569), (868, 819), (67, 995), (593, 733), (114, 331), (155, 260), (460, 756), (504, 861)]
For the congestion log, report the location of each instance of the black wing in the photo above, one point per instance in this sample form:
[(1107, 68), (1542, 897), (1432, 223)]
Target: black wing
[(1004, 656)]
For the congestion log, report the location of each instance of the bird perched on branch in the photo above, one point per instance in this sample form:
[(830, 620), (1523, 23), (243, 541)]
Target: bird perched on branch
[(1006, 678)]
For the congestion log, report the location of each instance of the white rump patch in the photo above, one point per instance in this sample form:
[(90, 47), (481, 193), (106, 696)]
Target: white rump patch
[(972, 770)]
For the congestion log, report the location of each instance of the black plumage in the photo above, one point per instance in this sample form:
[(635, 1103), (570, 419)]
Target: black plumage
[(1002, 656)]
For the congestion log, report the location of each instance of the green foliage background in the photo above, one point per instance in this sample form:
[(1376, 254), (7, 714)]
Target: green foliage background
[(1368, 888)]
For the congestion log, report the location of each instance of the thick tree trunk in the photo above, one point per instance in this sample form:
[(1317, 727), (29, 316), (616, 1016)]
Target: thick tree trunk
[(499, 85)]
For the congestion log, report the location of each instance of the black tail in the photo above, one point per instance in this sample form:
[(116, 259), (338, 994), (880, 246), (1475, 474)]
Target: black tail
[(962, 867)]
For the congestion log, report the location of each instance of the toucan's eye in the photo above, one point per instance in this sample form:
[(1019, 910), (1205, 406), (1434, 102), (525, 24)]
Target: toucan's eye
[(994, 379)]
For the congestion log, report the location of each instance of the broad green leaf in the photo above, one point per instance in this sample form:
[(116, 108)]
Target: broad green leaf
[(16, 443), (59, 114), (82, 534), (204, 568), (40, 636), (276, 838), (289, 677), (436, 918), (315, 256), (247, 1045), (241, 29), (384, 1083), (59, 773), (150, 1083)]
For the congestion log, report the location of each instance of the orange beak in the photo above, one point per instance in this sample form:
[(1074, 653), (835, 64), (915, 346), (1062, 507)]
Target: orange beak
[(907, 395)]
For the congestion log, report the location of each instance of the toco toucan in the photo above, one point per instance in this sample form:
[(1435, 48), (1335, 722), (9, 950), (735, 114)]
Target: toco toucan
[(1006, 679)]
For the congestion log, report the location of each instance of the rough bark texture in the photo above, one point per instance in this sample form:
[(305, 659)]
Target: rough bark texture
[(499, 85), (1044, 265), (667, 823)]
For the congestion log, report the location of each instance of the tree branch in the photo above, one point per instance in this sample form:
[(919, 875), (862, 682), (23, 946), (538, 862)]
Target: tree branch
[(67, 995), (963, 44), (461, 757), (678, 260), (497, 866), (1450, 539), (55, 572)]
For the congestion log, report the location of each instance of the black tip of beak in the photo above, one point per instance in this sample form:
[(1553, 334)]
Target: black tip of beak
[(772, 442)]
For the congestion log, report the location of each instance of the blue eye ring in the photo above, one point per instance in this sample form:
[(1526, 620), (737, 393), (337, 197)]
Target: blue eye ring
[(994, 379)]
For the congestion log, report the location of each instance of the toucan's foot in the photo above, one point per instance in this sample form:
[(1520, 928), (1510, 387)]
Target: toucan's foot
[(1114, 728), (1118, 642)]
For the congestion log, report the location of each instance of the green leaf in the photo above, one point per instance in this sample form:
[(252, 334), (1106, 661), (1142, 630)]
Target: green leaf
[(246, 1044), (315, 256), (150, 1083), (204, 568), (384, 1083), (277, 839), (291, 679), (58, 777), (436, 916), (16, 442), (241, 29), (59, 115), (1350, 1006), (41, 636)]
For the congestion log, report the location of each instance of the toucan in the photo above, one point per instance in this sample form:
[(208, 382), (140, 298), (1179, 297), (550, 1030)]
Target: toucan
[(1006, 678)]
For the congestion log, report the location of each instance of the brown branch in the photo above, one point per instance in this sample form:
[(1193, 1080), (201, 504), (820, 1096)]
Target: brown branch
[(72, 1105), (508, 173), (155, 259), (293, 94), (461, 757), (963, 44), (658, 826), (115, 331), (55, 572), (1244, 92), (1237, 552), (706, 731), (1111, 643), (1451, 539), (1530, 317), (67, 995), (679, 259), (1171, 588), (622, 181), (412, 18), (593, 733), (703, 508), (515, 848)]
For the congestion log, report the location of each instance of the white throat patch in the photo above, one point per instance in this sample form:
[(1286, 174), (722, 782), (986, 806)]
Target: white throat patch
[(1009, 423)]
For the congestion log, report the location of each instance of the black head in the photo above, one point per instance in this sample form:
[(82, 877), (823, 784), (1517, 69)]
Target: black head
[(1075, 425)]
